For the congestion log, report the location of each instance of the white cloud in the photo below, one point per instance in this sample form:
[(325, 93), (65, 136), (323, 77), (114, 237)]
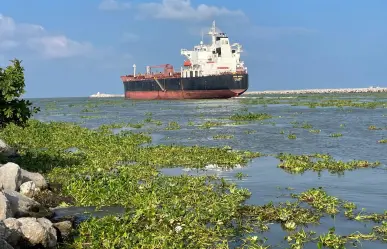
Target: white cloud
[(183, 10), (35, 38), (113, 5), (58, 46)]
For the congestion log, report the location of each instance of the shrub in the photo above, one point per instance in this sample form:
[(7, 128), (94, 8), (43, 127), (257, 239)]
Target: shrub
[(12, 108)]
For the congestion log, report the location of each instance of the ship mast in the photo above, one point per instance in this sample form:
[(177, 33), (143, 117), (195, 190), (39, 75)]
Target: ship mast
[(213, 33)]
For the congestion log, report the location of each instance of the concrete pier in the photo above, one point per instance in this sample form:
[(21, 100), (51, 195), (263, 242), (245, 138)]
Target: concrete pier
[(105, 95)]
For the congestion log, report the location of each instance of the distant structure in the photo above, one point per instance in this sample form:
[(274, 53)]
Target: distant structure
[(105, 95)]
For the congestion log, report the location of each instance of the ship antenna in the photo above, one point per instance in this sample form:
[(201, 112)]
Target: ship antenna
[(201, 42), (213, 32)]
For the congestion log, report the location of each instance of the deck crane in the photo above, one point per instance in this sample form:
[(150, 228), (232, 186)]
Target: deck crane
[(168, 69)]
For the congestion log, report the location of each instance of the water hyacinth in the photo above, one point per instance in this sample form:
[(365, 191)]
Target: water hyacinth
[(318, 162), (96, 167)]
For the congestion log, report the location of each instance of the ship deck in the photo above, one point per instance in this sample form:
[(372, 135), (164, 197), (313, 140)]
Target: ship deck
[(140, 77)]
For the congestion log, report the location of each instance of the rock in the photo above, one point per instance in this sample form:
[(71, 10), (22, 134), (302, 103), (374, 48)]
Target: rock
[(14, 233), (2, 230), (38, 231), (51, 232), (5, 207), (23, 206), (5, 245), (6, 150), (28, 189), (64, 228), (37, 178), (10, 176)]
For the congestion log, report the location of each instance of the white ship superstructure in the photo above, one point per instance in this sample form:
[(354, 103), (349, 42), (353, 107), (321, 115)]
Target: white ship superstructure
[(216, 58)]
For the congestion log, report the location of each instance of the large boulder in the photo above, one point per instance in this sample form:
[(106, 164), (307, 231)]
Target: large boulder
[(23, 206), (64, 229), (38, 232), (10, 176), (13, 233), (37, 178), (52, 237), (5, 207)]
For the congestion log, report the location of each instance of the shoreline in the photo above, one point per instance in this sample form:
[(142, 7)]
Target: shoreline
[(282, 92)]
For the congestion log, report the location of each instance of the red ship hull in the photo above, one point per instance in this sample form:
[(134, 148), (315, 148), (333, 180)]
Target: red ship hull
[(193, 94)]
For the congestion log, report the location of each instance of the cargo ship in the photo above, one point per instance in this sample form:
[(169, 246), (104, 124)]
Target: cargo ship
[(210, 71)]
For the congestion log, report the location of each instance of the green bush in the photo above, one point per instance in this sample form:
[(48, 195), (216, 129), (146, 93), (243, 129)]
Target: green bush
[(12, 108)]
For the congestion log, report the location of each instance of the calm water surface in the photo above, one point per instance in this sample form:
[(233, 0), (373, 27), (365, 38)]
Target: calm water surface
[(365, 187)]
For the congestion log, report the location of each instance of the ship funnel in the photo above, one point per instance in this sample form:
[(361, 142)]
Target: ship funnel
[(134, 70)]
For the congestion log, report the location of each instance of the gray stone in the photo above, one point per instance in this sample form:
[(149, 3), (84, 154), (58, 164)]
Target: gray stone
[(28, 189), (5, 207), (10, 176), (22, 206), (37, 178), (38, 232), (64, 228), (14, 233), (51, 240), (32, 231), (2, 230), (5, 245)]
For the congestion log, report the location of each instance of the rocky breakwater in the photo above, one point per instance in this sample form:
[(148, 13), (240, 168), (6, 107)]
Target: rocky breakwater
[(323, 91), (24, 222)]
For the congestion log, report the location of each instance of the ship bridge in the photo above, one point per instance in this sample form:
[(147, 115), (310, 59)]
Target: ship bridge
[(213, 59)]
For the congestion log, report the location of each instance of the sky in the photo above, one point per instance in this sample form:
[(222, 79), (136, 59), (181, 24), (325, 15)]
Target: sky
[(77, 48)]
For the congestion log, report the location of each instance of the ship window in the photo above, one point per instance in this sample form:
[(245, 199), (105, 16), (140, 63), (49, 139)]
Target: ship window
[(217, 38), (219, 51), (191, 74), (233, 51)]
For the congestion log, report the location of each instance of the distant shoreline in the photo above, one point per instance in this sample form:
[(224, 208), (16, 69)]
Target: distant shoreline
[(284, 92)]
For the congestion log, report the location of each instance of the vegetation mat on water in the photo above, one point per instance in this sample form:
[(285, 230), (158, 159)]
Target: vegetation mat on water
[(317, 101), (318, 162), (250, 116), (98, 168)]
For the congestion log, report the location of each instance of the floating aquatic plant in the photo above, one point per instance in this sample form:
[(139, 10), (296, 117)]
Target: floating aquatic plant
[(373, 127), (173, 125), (209, 124), (318, 162), (292, 136), (223, 136), (250, 116), (336, 135)]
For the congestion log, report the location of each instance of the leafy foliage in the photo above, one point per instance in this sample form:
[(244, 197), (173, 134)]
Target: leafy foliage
[(13, 109)]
